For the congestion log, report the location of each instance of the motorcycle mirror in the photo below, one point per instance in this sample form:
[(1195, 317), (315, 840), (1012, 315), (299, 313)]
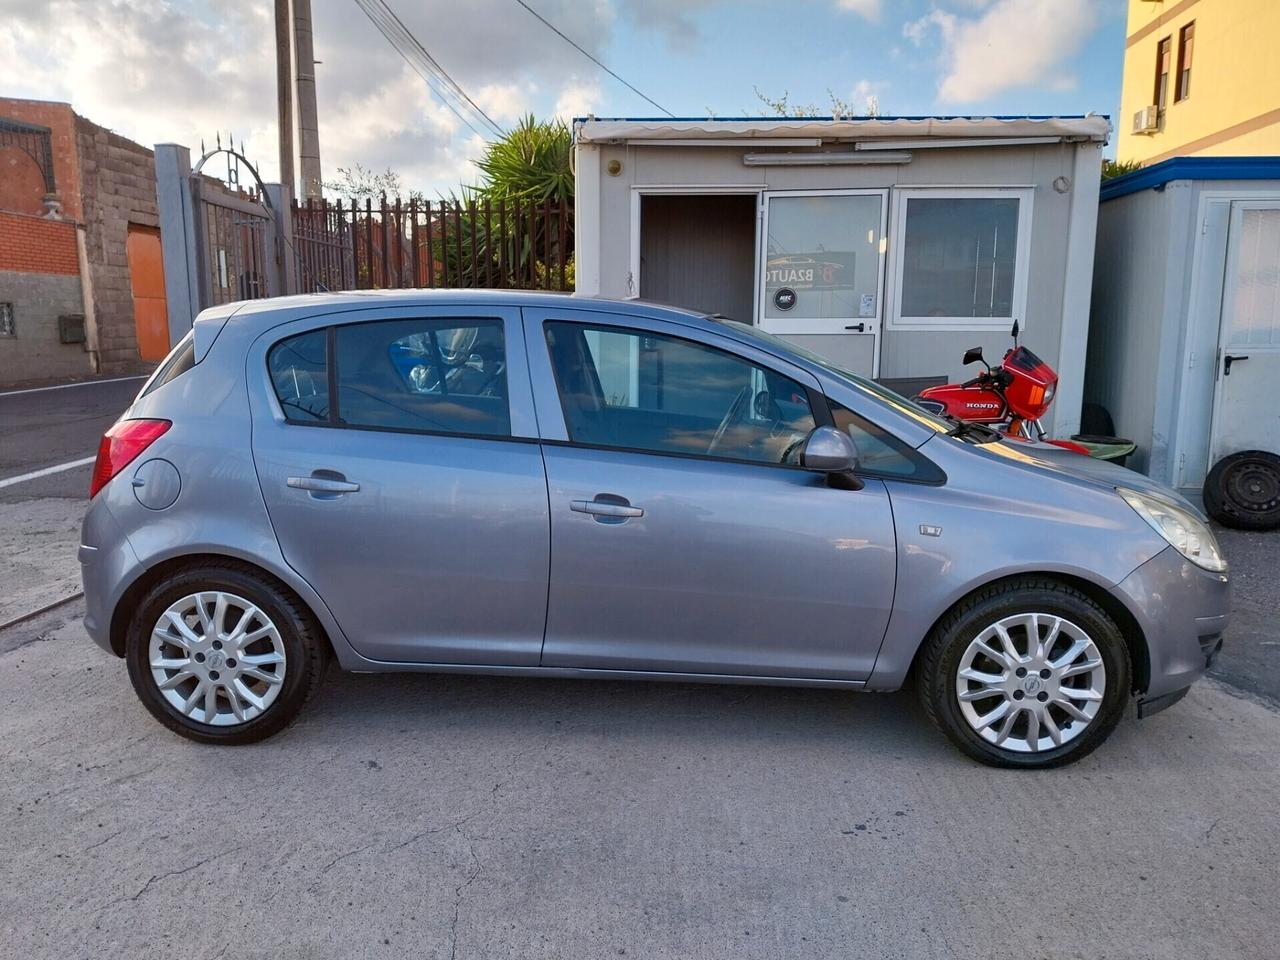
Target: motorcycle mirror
[(1015, 333), (974, 355)]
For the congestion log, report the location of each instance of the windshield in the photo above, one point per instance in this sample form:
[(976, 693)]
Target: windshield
[(886, 396)]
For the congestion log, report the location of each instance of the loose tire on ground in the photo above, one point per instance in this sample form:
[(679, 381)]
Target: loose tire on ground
[(304, 652), (1243, 490), (955, 637)]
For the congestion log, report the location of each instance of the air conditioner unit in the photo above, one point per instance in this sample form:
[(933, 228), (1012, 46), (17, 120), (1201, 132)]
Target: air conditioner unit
[(1147, 120)]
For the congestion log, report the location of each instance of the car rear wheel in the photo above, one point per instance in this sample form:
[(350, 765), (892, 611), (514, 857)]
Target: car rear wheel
[(219, 654), (1026, 673)]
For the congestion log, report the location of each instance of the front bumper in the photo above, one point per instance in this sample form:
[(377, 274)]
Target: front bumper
[(1183, 612)]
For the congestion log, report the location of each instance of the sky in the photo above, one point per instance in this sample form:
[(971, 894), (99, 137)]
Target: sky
[(184, 70)]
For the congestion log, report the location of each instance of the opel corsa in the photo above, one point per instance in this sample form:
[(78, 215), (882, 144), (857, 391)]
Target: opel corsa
[(525, 484)]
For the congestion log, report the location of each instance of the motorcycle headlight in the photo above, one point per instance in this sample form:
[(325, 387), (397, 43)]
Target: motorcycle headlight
[(1184, 531)]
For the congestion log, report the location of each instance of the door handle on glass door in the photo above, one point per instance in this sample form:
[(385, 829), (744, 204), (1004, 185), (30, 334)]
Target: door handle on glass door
[(1227, 361), (859, 327), (612, 510)]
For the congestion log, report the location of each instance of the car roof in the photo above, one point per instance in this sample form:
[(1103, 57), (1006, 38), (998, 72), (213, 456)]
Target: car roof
[(269, 311)]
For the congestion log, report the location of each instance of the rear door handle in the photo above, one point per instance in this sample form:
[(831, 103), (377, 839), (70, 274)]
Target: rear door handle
[(323, 484), (612, 510)]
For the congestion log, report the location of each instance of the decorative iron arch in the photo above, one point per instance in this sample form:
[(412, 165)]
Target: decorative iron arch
[(36, 142), (240, 160)]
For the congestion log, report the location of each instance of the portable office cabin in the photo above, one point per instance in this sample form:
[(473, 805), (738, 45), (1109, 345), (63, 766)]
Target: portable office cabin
[(889, 245), (1184, 341)]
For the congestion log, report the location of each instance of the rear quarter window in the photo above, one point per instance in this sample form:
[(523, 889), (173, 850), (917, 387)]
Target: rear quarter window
[(181, 359), (300, 375)]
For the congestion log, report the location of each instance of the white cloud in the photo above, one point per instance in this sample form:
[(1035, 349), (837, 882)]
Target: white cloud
[(577, 99), (869, 9), (865, 96), (1014, 43), (917, 31), (183, 70)]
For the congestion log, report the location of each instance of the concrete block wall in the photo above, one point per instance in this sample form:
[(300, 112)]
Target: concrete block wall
[(118, 187), (34, 352), (40, 277)]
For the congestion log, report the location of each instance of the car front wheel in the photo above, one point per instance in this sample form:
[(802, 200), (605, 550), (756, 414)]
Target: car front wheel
[(220, 654), (1026, 673)]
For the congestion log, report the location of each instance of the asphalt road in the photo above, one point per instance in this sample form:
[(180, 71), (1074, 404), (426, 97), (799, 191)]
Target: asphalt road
[(40, 518), (47, 427), (455, 817)]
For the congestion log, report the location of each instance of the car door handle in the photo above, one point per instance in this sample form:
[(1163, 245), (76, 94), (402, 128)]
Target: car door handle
[(323, 484), (613, 510), (1228, 360)]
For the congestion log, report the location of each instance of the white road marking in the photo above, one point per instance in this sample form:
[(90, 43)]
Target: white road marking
[(35, 474), (64, 386)]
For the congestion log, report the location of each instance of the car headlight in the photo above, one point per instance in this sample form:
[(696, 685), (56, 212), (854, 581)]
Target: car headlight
[(1186, 532)]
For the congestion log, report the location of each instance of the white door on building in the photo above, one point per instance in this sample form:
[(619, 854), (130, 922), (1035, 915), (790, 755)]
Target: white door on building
[(822, 276), (1247, 404)]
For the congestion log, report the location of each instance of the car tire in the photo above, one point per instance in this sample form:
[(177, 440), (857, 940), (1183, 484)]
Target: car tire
[(282, 653), (1243, 491), (1063, 703)]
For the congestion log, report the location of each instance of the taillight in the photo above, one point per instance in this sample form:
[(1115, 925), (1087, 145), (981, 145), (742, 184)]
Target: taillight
[(120, 446)]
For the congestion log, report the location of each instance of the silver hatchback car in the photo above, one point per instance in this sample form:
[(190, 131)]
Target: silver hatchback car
[(514, 483)]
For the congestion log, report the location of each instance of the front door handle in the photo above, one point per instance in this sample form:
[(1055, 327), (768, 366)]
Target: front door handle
[(860, 327), (324, 482), (607, 508), (1227, 361)]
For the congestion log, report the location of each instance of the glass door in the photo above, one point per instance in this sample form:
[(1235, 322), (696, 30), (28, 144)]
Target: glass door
[(822, 278)]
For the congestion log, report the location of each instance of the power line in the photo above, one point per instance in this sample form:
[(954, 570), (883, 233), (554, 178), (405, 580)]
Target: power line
[(425, 66), (373, 14), (431, 60), (551, 26)]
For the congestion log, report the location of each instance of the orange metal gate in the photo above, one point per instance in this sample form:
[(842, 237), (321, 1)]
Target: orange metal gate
[(146, 279)]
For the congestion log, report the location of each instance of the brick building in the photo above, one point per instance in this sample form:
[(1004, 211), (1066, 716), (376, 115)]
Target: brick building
[(81, 275)]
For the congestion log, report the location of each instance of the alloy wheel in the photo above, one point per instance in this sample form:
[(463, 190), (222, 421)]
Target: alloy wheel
[(1030, 682), (217, 658)]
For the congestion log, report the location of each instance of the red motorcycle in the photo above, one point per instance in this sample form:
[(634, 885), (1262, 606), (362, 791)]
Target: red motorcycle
[(1011, 397)]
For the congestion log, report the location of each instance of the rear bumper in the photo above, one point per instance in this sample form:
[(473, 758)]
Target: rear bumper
[(107, 563), (1183, 612)]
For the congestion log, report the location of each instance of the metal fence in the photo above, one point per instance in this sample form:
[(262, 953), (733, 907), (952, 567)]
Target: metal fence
[(235, 244), (506, 244)]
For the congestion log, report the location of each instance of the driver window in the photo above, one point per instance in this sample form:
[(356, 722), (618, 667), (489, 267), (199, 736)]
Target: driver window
[(644, 391)]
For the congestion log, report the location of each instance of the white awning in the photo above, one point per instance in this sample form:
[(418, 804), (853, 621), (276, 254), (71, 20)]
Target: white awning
[(1092, 128)]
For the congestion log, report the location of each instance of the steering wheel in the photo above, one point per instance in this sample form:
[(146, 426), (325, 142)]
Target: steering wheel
[(732, 415)]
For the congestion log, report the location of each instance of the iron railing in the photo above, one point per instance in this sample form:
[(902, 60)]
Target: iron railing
[(505, 244)]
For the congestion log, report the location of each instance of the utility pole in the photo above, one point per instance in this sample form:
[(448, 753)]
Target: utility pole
[(284, 92), (305, 87)]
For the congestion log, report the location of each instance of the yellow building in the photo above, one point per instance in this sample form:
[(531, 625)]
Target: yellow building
[(1201, 78)]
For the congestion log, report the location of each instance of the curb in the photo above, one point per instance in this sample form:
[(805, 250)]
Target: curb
[(35, 613)]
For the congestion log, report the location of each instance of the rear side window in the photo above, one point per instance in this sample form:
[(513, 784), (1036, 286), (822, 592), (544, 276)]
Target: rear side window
[(299, 373), (429, 376)]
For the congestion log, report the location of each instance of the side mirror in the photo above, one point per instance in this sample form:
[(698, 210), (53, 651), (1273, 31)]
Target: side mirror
[(974, 355), (1014, 331), (833, 452)]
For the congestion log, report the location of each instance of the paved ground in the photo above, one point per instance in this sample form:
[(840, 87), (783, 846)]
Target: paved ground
[(462, 817), (40, 518), (454, 817)]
